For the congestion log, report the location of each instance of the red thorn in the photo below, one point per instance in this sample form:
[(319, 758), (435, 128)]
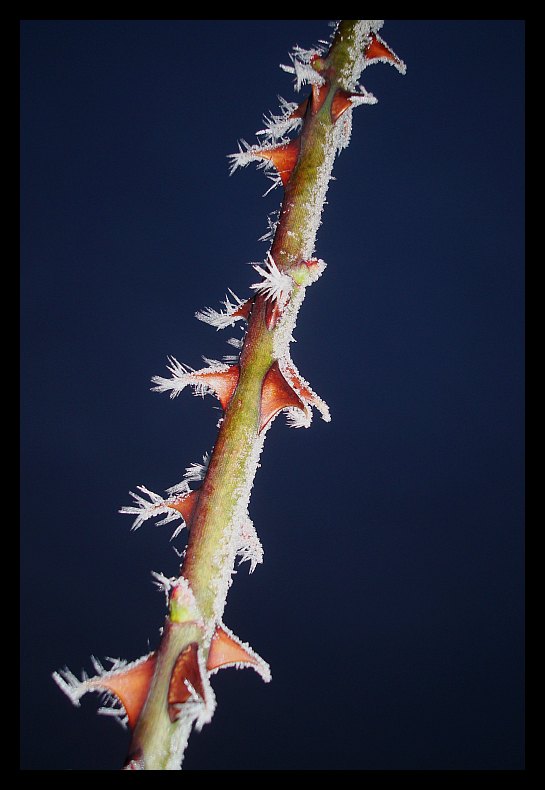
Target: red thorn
[(224, 382), (341, 102), (319, 93), (283, 157), (300, 111), (130, 687), (298, 384), (186, 505), (276, 394), (225, 651), (245, 309), (272, 313), (377, 49), (186, 671)]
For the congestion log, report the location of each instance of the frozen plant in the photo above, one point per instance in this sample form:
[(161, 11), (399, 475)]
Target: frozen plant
[(162, 696)]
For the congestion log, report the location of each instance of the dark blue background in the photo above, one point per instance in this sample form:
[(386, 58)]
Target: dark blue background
[(390, 603)]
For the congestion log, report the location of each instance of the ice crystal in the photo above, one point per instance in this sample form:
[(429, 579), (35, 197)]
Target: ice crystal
[(189, 713), (145, 509), (180, 378), (183, 375), (253, 659), (222, 319), (272, 223), (246, 153), (196, 472), (75, 688), (275, 285), (297, 418), (230, 544), (254, 153), (362, 96), (277, 127), (164, 583), (249, 546), (302, 68), (304, 391)]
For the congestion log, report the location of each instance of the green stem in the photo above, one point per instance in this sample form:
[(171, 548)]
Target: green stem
[(225, 491)]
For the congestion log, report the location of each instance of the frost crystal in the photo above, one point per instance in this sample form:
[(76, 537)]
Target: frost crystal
[(183, 375), (221, 319), (156, 506), (251, 659), (279, 126), (164, 583), (275, 285), (180, 378), (246, 153), (74, 688), (249, 546), (254, 153), (296, 418), (196, 472), (302, 68), (272, 222)]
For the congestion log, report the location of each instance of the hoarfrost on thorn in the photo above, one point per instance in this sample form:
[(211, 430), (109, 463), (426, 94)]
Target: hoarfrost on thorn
[(302, 68), (279, 126), (275, 285), (183, 375), (249, 547), (145, 509), (297, 418), (222, 319)]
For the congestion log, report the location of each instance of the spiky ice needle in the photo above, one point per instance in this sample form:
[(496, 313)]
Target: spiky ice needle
[(145, 509), (222, 319), (275, 284)]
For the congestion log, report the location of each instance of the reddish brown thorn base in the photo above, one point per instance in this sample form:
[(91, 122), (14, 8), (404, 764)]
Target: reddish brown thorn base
[(277, 394), (186, 673)]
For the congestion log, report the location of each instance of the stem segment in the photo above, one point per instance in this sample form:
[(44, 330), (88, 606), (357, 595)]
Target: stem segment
[(214, 526)]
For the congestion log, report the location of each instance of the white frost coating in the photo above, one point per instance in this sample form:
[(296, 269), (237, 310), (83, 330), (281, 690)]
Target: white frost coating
[(272, 223), (249, 546), (287, 367), (297, 418), (302, 69), (183, 375), (164, 583), (188, 715), (144, 509), (362, 96), (283, 334), (196, 472), (254, 153), (344, 125), (275, 285), (74, 688), (193, 473), (260, 665), (228, 548), (397, 63), (357, 62), (221, 319), (278, 126), (194, 712)]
